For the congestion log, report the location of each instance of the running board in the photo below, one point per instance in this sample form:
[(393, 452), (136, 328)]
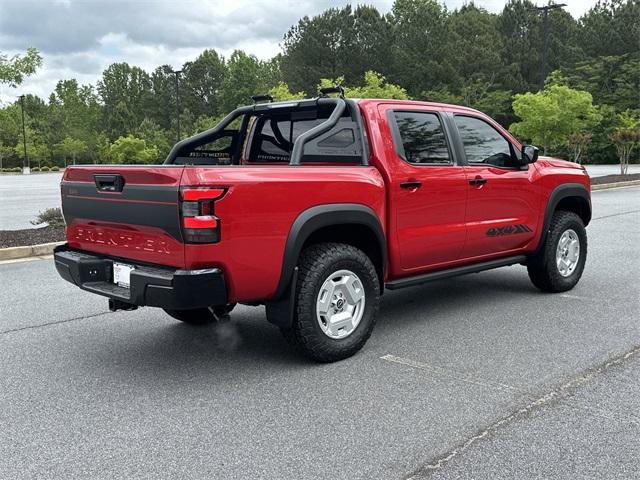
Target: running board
[(454, 272)]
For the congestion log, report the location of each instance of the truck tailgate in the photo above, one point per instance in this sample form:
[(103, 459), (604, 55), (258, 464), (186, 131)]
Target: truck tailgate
[(130, 212)]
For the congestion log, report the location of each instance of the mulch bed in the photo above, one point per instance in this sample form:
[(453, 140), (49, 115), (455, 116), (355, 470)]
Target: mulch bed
[(615, 179), (30, 236)]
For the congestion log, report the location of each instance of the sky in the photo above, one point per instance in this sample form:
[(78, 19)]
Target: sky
[(80, 38)]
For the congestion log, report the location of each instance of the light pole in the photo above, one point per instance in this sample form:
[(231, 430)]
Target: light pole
[(177, 77), (25, 163), (545, 47)]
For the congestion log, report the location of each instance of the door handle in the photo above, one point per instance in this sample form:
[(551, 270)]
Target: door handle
[(412, 185), (109, 183), (478, 181)]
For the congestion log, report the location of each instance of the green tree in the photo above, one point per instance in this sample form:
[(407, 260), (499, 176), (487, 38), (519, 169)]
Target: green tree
[(6, 151), (162, 102), (201, 82), (36, 148), (477, 93), (71, 148), (132, 150), (338, 42), (125, 92), (375, 86), (625, 138), (612, 80), (550, 116), (578, 143), (14, 69), (155, 137), (610, 27), (420, 59), (204, 122), (102, 152), (74, 112), (520, 30), (281, 92), (473, 46), (520, 27), (9, 126), (245, 77)]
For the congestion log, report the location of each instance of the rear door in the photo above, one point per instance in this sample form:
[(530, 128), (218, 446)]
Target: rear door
[(129, 212), (428, 187), (502, 201)]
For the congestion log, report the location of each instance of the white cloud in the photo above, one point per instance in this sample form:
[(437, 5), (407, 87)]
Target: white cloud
[(80, 38)]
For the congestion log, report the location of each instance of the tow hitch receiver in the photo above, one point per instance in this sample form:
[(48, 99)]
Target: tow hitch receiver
[(120, 305)]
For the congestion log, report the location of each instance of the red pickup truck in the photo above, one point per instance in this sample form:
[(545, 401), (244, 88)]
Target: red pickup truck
[(315, 207)]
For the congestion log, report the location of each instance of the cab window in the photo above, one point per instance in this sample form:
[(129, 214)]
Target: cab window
[(483, 144), (420, 138)]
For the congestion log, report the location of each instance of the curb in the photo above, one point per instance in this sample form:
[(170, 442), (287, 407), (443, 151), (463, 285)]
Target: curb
[(607, 186), (14, 253)]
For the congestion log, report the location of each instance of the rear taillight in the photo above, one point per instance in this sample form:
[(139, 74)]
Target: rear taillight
[(199, 223)]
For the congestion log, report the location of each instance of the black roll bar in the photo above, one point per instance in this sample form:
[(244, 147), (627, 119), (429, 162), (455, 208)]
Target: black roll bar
[(298, 146), (328, 124), (203, 138)]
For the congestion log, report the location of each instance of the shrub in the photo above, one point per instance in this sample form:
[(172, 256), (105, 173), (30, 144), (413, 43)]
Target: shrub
[(55, 168), (51, 216), (45, 169), (16, 169)]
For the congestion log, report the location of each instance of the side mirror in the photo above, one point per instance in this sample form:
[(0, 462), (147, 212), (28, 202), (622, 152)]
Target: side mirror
[(529, 154)]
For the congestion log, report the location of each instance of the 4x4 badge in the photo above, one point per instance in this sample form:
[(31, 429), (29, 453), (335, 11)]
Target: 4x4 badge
[(507, 230)]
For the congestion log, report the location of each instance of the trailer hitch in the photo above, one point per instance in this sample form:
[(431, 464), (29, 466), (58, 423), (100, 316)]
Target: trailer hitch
[(115, 305)]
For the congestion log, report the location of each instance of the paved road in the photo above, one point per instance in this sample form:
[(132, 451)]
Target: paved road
[(22, 197), (480, 376), (602, 170)]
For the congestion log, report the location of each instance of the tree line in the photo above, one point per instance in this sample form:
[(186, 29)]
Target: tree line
[(418, 50)]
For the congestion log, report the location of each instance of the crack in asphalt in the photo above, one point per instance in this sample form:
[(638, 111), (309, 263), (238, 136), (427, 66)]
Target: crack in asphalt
[(48, 324), (450, 374), (555, 394)]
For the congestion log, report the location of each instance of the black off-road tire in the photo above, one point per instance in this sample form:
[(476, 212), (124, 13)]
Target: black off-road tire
[(202, 316), (542, 268), (316, 264)]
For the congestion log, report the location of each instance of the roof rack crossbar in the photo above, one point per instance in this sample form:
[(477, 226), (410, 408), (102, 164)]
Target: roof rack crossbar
[(324, 92), (261, 98)]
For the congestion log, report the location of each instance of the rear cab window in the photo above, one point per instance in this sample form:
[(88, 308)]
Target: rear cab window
[(419, 137)]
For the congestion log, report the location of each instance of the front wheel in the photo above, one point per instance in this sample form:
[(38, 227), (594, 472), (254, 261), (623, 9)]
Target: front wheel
[(560, 263), (337, 297)]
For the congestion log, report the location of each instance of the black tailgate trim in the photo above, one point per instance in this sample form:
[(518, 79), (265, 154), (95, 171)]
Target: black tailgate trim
[(144, 205)]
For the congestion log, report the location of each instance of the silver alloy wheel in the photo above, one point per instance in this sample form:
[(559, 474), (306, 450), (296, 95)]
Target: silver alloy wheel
[(568, 252), (340, 304)]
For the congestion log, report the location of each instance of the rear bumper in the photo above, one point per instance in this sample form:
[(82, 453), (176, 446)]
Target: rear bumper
[(151, 286)]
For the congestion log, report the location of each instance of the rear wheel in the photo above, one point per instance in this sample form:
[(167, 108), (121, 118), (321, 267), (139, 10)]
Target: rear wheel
[(337, 297), (202, 316), (559, 265)]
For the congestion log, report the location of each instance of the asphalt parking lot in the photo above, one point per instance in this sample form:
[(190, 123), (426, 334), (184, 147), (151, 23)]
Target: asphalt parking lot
[(476, 377)]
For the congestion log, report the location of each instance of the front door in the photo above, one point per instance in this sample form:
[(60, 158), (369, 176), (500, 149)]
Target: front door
[(428, 188), (502, 201)]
